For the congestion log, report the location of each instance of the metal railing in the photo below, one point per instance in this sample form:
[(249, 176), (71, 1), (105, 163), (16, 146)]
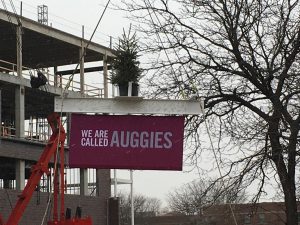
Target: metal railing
[(72, 182), (8, 131), (36, 129), (53, 80)]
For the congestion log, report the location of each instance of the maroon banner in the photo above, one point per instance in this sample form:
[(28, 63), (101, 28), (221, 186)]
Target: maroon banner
[(126, 142)]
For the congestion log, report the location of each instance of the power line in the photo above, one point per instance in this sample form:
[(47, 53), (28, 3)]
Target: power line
[(72, 25), (68, 84), (207, 129), (89, 42), (70, 78)]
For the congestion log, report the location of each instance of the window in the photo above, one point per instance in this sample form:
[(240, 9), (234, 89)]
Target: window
[(247, 219), (261, 218)]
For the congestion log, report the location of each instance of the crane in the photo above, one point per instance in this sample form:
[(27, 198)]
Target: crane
[(54, 147)]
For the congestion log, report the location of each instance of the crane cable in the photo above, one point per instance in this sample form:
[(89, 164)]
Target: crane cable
[(67, 85), (10, 21), (159, 38), (19, 46), (64, 92), (148, 5)]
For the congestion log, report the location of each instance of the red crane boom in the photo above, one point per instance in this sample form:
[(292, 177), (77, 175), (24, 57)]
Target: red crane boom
[(55, 142)]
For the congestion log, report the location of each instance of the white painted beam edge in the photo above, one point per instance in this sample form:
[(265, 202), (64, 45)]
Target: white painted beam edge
[(120, 181), (128, 106)]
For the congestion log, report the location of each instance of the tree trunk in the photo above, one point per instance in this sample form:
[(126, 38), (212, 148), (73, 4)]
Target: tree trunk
[(285, 171), (291, 208), (288, 185)]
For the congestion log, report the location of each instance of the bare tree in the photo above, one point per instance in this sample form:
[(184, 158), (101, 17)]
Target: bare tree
[(143, 207), (242, 58), (191, 198)]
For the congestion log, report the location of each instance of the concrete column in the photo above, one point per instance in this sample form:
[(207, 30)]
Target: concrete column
[(103, 183), (84, 182), (20, 175), (103, 175), (19, 91), (103, 190), (105, 76), (19, 111)]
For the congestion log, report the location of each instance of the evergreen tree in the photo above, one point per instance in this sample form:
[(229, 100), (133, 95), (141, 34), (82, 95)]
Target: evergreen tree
[(125, 67)]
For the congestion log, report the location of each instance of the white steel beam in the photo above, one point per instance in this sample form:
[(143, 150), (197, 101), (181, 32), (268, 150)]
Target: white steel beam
[(128, 105)]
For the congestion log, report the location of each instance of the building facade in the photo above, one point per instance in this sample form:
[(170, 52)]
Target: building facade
[(27, 48), (267, 213)]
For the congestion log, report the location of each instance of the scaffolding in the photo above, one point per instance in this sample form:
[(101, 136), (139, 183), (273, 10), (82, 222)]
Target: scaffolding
[(43, 14)]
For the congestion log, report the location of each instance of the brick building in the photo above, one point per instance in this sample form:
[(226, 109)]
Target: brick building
[(26, 47), (267, 213)]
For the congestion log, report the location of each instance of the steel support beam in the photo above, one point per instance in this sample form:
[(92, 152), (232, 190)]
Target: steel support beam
[(105, 76), (86, 70), (19, 44), (81, 61), (128, 105), (53, 33)]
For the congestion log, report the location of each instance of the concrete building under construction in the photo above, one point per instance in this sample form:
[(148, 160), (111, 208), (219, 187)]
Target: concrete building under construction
[(26, 48)]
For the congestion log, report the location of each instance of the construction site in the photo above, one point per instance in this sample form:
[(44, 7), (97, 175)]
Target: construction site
[(64, 132), (28, 48)]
